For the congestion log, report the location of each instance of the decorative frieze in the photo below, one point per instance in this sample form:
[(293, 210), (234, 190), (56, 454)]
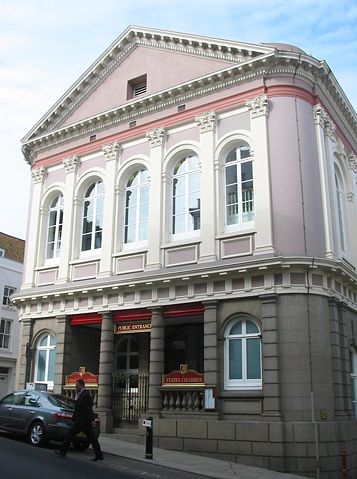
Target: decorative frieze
[(156, 137), (111, 151), (322, 118), (352, 160), (38, 174), (258, 106), (71, 164), (207, 121)]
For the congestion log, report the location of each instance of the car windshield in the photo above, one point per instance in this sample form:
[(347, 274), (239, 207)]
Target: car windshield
[(61, 401)]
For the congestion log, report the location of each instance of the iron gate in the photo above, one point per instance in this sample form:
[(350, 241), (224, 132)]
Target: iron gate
[(130, 397)]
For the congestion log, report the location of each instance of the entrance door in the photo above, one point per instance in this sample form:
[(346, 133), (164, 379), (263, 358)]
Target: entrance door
[(130, 389)]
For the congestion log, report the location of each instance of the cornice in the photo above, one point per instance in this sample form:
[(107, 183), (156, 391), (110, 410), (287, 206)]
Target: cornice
[(267, 66)]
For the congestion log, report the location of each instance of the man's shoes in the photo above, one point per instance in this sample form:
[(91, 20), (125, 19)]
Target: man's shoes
[(60, 452), (98, 458)]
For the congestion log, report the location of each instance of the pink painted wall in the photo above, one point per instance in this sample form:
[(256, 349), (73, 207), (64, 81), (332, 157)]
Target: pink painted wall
[(141, 149), (98, 162), (163, 69), (236, 122), (57, 176), (288, 215), (191, 134)]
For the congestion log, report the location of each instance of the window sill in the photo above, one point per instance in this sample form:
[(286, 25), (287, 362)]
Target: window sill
[(128, 252), (184, 242), (86, 259), (232, 234)]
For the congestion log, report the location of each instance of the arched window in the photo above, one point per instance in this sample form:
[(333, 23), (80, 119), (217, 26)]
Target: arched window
[(242, 354), (45, 360), (93, 217), (54, 230), (353, 356), (136, 208), (127, 356), (340, 211), (186, 197), (239, 188)]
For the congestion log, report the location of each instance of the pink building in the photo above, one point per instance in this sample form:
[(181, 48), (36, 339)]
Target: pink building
[(192, 240)]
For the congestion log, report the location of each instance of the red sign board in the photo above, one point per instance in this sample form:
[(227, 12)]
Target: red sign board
[(183, 377), (88, 377)]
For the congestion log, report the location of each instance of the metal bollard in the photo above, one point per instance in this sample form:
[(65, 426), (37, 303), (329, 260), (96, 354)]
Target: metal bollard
[(149, 424)]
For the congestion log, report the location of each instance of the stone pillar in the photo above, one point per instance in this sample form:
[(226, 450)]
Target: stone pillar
[(111, 152), (25, 353), (71, 166), (157, 359), (207, 126), (259, 110), (210, 344), (345, 360), (63, 349), (106, 357), (156, 139), (38, 179), (270, 355), (336, 357)]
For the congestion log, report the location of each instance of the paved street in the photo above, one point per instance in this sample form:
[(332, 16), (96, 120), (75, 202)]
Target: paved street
[(19, 460)]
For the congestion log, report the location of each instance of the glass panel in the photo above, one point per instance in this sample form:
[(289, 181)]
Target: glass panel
[(86, 242), (246, 171), (100, 205), (2, 326), (251, 328), (52, 219), (194, 219), (130, 233), (100, 187), (180, 167), (194, 201), (194, 163), (133, 346), (123, 346), (98, 240), (178, 186), (244, 152), (90, 191), (7, 327), (52, 341), (236, 328), (144, 176), (51, 234), (232, 194), (134, 362), (51, 365), (131, 198), (87, 225), (44, 341), (133, 180), (179, 204), (6, 342), (144, 194), (143, 231), (231, 175), (121, 362), (99, 222), (41, 365), (194, 182), (235, 359), (144, 212), (232, 156), (88, 209), (131, 215), (253, 358), (50, 250), (178, 224)]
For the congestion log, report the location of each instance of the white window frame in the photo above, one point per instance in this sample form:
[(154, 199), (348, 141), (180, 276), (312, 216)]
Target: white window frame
[(128, 353), (354, 380), (94, 198), (187, 233), (240, 226), (48, 347), (243, 384), (139, 187), (9, 322), (10, 291), (58, 229)]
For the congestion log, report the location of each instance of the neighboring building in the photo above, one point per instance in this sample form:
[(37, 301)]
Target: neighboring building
[(194, 207), (11, 266)]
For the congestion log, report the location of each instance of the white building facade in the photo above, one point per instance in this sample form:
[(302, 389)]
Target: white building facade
[(194, 208), (11, 267)]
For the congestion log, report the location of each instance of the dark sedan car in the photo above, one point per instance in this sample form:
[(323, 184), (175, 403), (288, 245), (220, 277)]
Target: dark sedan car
[(41, 416)]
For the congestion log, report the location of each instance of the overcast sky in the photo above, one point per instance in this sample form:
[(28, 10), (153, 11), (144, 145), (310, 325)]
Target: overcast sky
[(45, 45)]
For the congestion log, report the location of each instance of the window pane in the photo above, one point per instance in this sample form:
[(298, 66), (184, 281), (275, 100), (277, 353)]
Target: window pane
[(88, 209), (51, 365), (178, 186), (100, 187), (6, 341), (144, 212), (87, 225), (98, 240), (131, 198), (52, 341), (178, 224), (245, 152), (134, 345), (144, 176), (194, 182), (236, 328), (178, 204), (99, 222), (130, 233), (44, 341), (123, 346), (7, 327), (144, 194), (134, 362), (194, 163), (194, 219), (232, 156), (100, 205), (130, 216), (86, 242), (121, 362), (143, 231), (50, 250), (194, 201), (251, 328), (253, 358), (232, 194), (246, 171), (231, 175), (41, 365), (51, 234), (90, 191), (235, 359), (53, 216), (133, 180), (180, 167)]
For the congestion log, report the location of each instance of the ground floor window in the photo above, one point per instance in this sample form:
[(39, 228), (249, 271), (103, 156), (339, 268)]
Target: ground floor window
[(45, 360)]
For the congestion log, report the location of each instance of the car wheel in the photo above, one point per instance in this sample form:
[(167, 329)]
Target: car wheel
[(81, 443), (37, 434)]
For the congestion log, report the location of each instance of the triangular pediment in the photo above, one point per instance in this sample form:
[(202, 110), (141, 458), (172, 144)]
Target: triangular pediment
[(163, 58)]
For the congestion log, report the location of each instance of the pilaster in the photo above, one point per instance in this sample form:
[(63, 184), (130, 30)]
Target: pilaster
[(71, 167), (63, 352), (105, 372), (259, 111), (111, 152), (157, 359), (207, 128), (157, 139), (38, 180), (210, 343), (25, 353)]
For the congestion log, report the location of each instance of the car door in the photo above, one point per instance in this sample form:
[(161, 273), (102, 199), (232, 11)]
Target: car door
[(29, 410), (9, 405)]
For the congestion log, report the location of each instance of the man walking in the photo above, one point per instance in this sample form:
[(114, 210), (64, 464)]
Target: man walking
[(84, 420)]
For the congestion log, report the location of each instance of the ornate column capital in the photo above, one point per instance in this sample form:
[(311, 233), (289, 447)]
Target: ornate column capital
[(156, 137), (352, 160), (38, 174), (71, 164), (111, 151), (322, 118), (207, 121), (258, 106)]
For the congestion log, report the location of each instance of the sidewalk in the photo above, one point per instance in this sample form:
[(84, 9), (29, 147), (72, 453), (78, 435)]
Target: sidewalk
[(182, 461)]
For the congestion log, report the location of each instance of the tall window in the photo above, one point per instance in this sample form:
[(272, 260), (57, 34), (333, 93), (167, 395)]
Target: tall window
[(5, 333), (136, 208), (340, 213), (45, 360), (239, 190), (186, 197), (54, 230), (243, 355), (354, 380), (8, 292), (93, 217)]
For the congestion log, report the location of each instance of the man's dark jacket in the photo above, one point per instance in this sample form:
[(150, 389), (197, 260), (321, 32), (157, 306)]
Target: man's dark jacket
[(83, 410)]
